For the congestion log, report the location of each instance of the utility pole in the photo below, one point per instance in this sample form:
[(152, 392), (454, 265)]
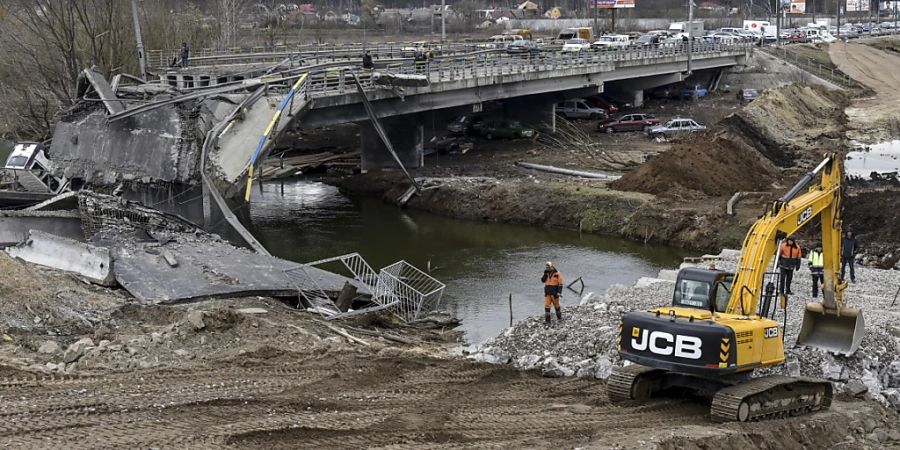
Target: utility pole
[(140, 41), (777, 23), (690, 36), (443, 21), (839, 9), (593, 3)]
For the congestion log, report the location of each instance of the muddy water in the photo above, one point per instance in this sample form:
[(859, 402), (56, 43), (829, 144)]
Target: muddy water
[(481, 263), (882, 158)]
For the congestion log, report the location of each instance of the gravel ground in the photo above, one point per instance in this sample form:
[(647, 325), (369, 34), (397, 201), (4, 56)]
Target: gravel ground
[(584, 344)]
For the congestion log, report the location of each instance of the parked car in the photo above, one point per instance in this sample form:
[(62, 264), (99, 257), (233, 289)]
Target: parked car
[(646, 40), (602, 103), (508, 129), (464, 125), (696, 91), (579, 109), (628, 122), (522, 47), (676, 126), (747, 95), (576, 45), (611, 42)]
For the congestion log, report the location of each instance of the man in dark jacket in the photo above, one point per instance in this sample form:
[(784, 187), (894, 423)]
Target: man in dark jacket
[(367, 61), (553, 285), (849, 248), (185, 54)]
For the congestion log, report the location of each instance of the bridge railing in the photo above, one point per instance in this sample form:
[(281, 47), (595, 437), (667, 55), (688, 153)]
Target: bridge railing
[(205, 57), (335, 81)]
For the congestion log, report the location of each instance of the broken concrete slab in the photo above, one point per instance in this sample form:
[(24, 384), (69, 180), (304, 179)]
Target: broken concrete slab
[(45, 249), (104, 90), (15, 225), (207, 267)]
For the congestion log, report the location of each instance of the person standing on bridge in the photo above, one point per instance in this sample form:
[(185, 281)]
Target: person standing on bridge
[(367, 61), (553, 286), (185, 55)]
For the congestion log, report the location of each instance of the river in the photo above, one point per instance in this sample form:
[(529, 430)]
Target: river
[(481, 263)]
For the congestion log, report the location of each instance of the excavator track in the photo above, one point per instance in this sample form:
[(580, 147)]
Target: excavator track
[(770, 398), (622, 383)]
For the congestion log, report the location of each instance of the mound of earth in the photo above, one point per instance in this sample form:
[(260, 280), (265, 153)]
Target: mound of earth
[(793, 125), (714, 168)]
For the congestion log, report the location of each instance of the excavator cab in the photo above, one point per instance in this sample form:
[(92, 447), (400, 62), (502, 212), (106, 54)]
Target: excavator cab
[(704, 289)]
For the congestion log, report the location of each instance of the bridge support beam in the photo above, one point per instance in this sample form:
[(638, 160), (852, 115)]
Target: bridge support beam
[(406, 134), (537, 111)]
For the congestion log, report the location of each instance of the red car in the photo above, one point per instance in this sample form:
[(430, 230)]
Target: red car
[(628, 122), (602, 103)]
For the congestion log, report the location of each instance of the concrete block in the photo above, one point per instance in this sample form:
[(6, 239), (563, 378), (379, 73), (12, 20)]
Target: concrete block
[(69, 255)]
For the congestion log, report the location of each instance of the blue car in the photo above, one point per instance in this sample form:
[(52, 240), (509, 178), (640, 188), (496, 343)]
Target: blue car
[(695, 91)]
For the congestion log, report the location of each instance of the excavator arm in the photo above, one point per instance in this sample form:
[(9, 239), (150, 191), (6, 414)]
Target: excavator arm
[(786, 216)]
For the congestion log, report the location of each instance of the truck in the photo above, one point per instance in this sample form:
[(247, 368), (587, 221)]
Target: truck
[(572, 33), (690, 29), (766, 31)]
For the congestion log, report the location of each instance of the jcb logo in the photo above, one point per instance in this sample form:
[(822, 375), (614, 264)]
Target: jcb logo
[(805, 215), (666, 344)]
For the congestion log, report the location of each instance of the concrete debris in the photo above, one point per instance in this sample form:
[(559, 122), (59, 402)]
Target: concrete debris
[(589, 334), (195, 319), (855, 388), (88, 261), (251, 311), (49, 348), (77, 350)]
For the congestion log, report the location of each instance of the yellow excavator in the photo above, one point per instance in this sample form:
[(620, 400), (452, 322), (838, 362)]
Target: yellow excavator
[(720, 326)]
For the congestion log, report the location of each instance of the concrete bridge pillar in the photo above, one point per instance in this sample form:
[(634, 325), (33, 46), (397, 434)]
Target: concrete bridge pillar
[(638, 98), (538, 111), (406, 134)]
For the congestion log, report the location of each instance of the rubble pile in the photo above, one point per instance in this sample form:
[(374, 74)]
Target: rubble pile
[(584, 344)]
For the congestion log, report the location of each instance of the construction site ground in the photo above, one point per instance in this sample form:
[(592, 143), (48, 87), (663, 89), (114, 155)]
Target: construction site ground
[(86, 367)]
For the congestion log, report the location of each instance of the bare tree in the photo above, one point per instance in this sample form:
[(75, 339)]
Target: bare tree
[(230, 13)]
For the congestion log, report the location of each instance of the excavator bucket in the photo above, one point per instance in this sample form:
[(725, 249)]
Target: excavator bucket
[(834, 330)]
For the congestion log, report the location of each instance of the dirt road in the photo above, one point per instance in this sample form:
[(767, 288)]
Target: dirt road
[(350, 401), (878, 70)]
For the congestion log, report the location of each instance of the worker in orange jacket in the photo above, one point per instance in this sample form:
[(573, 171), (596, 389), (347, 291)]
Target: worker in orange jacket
[(788, 262), (553, 286)]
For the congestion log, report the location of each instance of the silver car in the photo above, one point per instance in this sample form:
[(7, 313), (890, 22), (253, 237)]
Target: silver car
[(676, 126)]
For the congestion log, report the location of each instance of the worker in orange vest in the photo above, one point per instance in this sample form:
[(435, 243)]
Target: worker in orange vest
[(788, 261), (553, 285)]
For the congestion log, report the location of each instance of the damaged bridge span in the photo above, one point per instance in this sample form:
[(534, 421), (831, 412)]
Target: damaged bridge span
[(190, 150)]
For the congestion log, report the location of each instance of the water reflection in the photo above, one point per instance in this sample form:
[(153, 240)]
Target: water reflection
[(481, 263), (882, 158)]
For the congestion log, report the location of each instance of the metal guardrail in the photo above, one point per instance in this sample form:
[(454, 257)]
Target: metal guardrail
[(164, 59), (807, 64)]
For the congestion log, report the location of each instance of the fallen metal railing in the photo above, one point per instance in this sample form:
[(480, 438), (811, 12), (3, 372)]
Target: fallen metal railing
[(405, 290), (416, 292)]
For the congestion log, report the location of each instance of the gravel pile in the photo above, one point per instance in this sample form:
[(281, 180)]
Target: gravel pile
[(584, 344)]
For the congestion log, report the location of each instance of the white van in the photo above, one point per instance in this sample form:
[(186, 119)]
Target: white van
[(611, 41), (29, 169), (579, 109)]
